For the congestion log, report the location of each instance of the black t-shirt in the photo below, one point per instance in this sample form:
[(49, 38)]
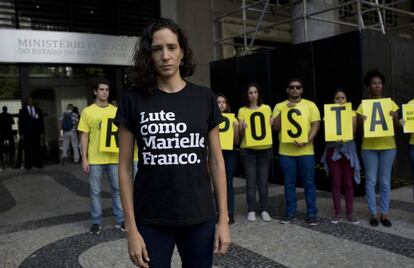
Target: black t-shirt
[(172, 186)]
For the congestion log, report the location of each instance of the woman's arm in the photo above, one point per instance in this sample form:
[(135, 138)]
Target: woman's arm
[(236, 139), (136, 244), (217, 169)]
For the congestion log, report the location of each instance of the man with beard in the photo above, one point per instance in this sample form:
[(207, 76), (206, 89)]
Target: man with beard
[(297, 158)]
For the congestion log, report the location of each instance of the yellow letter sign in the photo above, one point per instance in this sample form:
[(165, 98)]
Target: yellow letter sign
[(227, 131), (408, 116), (258, 131), (109, 136), (338, 122), (295, 124), (378, 121)]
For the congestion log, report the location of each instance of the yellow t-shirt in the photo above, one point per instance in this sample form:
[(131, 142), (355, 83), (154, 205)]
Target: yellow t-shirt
[(90, 122), (412, 134), (290, 149), (242, 115), (380, 143)]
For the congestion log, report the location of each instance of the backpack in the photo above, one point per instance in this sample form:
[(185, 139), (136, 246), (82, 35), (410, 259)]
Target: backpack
[(67, 123)]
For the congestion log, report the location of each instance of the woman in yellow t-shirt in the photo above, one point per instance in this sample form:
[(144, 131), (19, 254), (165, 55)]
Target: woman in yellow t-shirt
[(378, 154), (341, 162), (256, 159), (229, 155), (411, 143)]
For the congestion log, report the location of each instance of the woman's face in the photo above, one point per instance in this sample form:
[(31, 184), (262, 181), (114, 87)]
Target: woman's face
[(340, 98), (376, 86), (166, 53), (252, 94), (222, 104)]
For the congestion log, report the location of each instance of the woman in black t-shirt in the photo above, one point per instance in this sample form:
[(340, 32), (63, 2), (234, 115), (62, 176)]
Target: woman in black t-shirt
[(175, 124)]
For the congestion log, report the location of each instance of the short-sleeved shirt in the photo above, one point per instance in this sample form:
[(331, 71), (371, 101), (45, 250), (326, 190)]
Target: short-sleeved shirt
[(380, 143), (173, 185), (290, 149), (412, 134), (90, 122), (242, 115)]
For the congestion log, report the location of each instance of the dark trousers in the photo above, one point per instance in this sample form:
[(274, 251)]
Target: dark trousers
[(341, 172), (7, 146), (230, 162), (256, 165), (32, 151), (194, 243)]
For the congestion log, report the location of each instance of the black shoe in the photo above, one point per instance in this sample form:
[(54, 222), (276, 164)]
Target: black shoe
[(95, 229), (313, 221), (287, 219), (386, 222), (373, 222), (231, 218), (120, 226), (63, 160)]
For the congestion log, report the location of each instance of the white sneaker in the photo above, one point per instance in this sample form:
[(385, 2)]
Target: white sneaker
[(251, 216), (265, 216)]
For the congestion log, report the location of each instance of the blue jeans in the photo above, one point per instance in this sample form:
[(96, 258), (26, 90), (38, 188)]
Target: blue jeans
[(194, 244), (95, 189), (229, 162), (378, 164), (411, 151), (304, 166)]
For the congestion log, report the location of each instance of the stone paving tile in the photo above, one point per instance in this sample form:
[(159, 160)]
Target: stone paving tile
[(7, 201), (63, 219)]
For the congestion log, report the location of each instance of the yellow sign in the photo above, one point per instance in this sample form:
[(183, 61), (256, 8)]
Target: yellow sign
[(109, 136), (408, 116), (295, 124), (338, 122), (258, 131), (378, 121), (227, 131)]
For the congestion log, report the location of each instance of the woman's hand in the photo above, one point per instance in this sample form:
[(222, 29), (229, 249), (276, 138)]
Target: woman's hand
[(402, 122), (137, 250), (242, 127), (222, 238)]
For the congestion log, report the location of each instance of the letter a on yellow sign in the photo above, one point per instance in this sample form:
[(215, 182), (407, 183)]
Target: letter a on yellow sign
[(408, 116), (108, 141), (227, 131), (258, 131), (295, 124), (338, 122), (379, 121)]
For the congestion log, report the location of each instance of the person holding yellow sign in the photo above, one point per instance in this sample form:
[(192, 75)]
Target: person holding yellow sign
[(255, 149), (229, 126), (341, 161), (94, 161), (377, 116), (408, 123), (298, 120)]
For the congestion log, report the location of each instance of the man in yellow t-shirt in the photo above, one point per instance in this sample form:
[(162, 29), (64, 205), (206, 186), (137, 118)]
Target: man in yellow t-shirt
[(95, 162), (298, 158)]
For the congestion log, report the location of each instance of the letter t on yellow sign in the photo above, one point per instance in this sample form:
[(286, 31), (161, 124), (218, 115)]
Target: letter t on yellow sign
[(338, 122)]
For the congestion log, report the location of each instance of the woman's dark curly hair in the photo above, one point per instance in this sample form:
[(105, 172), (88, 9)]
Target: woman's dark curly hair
[(245, 96), (371, 74), (144, 76)]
